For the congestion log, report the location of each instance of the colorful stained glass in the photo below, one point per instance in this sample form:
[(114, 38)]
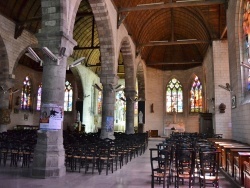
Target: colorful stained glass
[(99, 102), (68, 97), (26, 94), (39, 97), (174, 96), (196, 96)]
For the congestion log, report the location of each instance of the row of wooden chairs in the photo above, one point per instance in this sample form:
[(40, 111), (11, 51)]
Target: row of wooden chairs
[(179, 161), (95, 153)]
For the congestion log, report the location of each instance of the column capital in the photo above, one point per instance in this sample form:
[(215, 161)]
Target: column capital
[(130, 92), (106, 79), (61, 40)]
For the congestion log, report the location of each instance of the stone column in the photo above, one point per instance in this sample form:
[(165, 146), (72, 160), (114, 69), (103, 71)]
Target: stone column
[(130, 110), (6, 83), (49, 155), (108, 105)]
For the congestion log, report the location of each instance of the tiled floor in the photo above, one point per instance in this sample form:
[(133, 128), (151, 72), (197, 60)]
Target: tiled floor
[(136, 174)]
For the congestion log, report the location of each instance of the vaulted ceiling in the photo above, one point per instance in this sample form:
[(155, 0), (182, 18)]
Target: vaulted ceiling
[(168, 34)]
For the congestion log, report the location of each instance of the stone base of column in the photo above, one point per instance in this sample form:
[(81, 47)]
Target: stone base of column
[(44, 173), (140, 127), (49, 155), (105, 134), (3, 128)]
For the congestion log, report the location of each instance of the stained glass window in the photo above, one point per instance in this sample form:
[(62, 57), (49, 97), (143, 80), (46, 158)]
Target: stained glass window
[(174, 96), (26, 94), (39, 97), (99, 103), (196, 96), (68, 97), (246, 55)]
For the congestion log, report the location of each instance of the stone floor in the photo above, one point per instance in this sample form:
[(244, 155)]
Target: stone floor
[(135, 174)]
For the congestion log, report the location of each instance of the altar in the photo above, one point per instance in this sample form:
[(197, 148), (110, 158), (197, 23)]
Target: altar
[(169, 129), (175, 126)]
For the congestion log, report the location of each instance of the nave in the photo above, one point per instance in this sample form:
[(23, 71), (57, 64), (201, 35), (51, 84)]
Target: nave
[(135, 174)]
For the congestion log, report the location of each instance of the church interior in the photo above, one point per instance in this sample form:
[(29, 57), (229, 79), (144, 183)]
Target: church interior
[(120, 69)]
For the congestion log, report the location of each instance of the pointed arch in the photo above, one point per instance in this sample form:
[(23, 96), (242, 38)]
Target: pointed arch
[(4, 65), (103, 24), (128, 64), (141, 80)]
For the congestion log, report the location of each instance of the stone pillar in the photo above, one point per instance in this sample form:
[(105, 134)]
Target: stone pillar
[(49, 155), (130, 110), (108, 105), (6, 83)]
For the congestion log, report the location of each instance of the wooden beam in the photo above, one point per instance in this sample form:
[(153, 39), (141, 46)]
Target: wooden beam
[(171, 5), (223, 33), (166, 43), (173, 63), (39, 18), (86, 48)]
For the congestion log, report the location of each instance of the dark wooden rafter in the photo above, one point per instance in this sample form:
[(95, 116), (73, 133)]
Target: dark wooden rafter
[(86, 48), (171, 5), (174, 63), (39, 18), (18, 30), (223, 33), (121, 17), (172, 25), (93, 32)]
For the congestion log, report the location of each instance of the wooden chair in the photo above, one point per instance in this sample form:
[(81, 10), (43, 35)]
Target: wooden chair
[(209, 170), (160, 167), (246, 174), (185, 166), (104, 159)]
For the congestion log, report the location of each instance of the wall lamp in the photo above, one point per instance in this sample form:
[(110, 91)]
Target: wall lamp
[(227, 87), (76, 63), (33, 55), (245, 65), (96, 86), (52, 56), (136, 99), (116, 88)]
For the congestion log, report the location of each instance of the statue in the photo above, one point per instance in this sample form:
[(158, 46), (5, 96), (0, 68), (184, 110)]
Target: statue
[(174, 115), (140, 117), (78, 118)]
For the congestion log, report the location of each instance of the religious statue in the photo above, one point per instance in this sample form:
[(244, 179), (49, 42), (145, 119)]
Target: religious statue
[(140, 117), (174, 115), (78, 118)]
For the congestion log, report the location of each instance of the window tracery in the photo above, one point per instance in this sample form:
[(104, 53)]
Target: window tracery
[(174, 96)]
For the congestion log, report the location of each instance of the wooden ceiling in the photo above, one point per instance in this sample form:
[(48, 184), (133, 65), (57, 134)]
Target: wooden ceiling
[(168, 34)]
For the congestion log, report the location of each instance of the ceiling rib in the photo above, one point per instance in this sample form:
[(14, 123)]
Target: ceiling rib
[(171, 5), (166, 43)]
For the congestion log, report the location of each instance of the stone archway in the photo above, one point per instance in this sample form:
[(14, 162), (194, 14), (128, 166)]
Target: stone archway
[(130, 91), (141, 81), (108, 75)]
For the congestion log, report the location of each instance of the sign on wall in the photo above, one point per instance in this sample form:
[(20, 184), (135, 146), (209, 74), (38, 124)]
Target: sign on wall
[(109, 124), (51, 117)]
